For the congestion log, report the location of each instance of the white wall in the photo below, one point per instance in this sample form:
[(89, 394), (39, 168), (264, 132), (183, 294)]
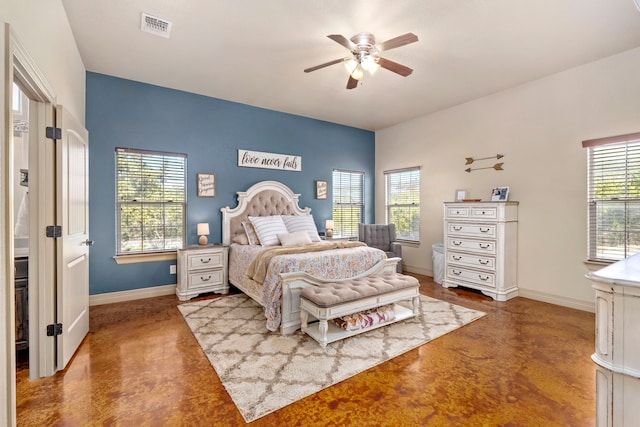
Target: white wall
[(43, 29), (539, 128)]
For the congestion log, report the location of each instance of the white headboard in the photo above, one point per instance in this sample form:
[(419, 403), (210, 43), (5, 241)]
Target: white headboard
[(261, 199)]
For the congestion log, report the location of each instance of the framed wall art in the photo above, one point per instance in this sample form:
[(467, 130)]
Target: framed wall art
[(206, 185), (322, 190)]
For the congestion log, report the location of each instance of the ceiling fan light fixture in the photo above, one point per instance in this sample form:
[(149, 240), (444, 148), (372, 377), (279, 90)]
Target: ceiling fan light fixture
[(358, 73)]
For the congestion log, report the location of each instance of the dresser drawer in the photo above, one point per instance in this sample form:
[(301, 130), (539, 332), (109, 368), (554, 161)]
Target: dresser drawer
[(479, 246), (458, 212), (470, 260), (477, 277), (484, 213), (205, 278), (205, 260), (473, 230)]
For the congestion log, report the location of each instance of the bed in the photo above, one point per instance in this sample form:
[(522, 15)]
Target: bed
[(278, 287)]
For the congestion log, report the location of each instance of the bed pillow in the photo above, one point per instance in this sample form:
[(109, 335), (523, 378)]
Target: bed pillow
[(250, 232), (295, 238), (267, 228), (241, 239), (302, 223)]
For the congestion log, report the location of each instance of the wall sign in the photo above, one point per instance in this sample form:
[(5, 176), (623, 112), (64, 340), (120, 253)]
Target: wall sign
[(258, 159), (206, 185)]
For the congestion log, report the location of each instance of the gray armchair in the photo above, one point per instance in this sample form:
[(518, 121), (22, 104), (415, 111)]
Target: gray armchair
[(381, 236)]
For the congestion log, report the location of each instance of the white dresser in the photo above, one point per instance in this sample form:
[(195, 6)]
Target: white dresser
[(202, 269), (617, 343), (481, 247)]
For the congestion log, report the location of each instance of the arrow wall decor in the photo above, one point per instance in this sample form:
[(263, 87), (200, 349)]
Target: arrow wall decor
[(497, 166), (471, 159)]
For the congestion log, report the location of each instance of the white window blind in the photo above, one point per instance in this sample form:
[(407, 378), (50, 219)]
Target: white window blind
[(614, 197), (348, 202), (403, 202), (151, 201)]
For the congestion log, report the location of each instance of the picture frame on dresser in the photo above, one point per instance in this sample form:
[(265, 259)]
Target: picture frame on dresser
[(500, 194), (461, 195)]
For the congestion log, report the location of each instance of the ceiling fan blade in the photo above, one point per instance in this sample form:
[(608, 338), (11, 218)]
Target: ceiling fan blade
[(339, 38), (395, 67), (397, 41), (352, 83), (326, 64)]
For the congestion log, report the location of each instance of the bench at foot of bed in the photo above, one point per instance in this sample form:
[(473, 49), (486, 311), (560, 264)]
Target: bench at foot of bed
[(339, 300)]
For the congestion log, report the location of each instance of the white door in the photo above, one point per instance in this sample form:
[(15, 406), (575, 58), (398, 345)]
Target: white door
[(72, 213)]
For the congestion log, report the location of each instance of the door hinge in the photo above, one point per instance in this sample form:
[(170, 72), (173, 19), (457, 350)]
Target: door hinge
[(54, 329), (54, 231), (53, 133)]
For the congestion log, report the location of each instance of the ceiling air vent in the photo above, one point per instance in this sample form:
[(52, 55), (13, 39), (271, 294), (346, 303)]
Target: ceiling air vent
[(154, 25)]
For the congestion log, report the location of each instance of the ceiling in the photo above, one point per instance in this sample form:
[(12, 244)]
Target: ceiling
[(254, 51)]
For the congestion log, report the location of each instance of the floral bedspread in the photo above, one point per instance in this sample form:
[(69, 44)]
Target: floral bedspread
[(329, 264)]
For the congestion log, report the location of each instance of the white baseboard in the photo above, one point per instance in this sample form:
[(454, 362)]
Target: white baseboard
[(417, 270), (121, 296), (589, 306)]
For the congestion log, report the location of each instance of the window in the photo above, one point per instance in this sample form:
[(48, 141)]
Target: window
[(403, 202), (348, 202), (613, 197), (151, 201)]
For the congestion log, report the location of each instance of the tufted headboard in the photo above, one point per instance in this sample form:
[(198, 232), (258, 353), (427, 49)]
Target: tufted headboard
[(261, 199)]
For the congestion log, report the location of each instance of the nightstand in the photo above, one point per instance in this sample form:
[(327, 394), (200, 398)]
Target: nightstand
[(202, 269)]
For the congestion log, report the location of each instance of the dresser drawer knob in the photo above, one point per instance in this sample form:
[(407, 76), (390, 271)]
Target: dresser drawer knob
[(485, 246), (484, 230), (457, 228), (483, 262), (456, 272), (205, 279), (456, 243), (457, 258), (205, 261), (483, 278)]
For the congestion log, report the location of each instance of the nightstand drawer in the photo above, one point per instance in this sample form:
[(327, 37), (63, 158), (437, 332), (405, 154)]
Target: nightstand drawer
[(205, 278), (205, 260)]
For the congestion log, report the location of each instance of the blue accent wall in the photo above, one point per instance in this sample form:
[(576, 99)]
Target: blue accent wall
[(125, 113)]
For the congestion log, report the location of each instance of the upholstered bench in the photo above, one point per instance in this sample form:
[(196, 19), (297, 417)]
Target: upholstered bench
[(333, 300)]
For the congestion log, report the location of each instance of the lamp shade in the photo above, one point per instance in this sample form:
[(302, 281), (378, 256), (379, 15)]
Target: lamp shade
[(203, 229), (329, 224)]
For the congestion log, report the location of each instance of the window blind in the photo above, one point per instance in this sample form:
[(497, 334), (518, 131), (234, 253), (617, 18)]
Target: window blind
[(151, 201), (614, 199), (403, 202), (348, 202)]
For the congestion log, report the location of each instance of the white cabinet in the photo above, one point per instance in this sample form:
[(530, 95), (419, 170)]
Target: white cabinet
[(617, 348), (202, 269), (481, 246)]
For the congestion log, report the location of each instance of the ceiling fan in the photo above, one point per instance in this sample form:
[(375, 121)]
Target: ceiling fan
[(366, 55)]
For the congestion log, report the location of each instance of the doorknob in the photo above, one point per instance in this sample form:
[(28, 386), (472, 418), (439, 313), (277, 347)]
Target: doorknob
[(88, 242)]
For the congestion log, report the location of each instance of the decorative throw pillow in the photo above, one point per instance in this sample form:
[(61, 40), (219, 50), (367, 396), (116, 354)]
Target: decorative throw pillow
[(302, 223), (241, 239), (250, 231), (267, 228), (295, 238)]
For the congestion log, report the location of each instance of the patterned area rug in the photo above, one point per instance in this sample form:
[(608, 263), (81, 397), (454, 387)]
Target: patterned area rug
[(263, 371)]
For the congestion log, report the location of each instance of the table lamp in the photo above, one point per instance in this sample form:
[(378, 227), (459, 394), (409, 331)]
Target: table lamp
[(329, 226), (203, 232)]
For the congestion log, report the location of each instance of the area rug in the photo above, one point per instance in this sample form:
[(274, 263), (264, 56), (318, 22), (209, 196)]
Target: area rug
[(264, 371)]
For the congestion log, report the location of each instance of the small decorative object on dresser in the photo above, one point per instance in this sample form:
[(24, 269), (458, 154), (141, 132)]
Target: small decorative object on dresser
[(329, 226), (203, 232), (461, 195), (480, 242), (202, 269)]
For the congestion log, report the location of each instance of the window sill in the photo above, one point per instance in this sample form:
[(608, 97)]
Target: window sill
[(409, 243), (137, 258)]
